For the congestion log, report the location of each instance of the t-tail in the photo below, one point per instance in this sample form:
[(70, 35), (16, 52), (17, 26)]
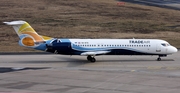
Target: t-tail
[(28, 36)]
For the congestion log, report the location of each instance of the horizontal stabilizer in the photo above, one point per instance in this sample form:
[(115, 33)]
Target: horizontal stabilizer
[(14, 23)]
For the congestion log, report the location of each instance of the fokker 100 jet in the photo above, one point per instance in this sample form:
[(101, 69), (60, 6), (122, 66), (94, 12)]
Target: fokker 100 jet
[(90, 47)]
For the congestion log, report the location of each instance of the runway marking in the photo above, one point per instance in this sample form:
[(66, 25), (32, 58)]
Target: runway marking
[(154, 67), (173, 68), (133, 70)]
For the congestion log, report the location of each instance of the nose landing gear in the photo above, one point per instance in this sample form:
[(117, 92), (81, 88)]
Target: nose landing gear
[(159, 58)]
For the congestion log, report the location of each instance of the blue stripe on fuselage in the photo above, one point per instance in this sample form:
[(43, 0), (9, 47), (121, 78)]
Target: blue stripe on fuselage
[(84, 49), (79, 48)]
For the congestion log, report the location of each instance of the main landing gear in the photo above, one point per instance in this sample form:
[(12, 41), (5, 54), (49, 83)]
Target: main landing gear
[(91, 58)]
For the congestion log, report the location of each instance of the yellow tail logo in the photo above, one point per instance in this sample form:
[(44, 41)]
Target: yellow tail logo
[(31, 35), (26, 33)]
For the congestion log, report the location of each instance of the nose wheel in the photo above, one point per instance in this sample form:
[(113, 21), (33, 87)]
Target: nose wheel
[(158, 59), (91, 59)]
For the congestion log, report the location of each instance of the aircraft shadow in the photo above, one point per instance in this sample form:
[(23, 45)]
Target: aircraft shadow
[(153, 60), (75, 62)]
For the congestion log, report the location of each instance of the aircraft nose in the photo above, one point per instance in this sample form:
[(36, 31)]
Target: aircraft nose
[(173, 49)]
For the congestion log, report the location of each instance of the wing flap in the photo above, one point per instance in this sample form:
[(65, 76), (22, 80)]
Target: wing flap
[(93, 53)]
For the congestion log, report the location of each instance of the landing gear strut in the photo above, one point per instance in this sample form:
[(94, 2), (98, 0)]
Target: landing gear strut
[(90, 58), (159, 58)]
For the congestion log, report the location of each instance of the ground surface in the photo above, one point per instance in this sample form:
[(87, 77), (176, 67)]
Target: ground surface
[(49, 73), (88, 19)]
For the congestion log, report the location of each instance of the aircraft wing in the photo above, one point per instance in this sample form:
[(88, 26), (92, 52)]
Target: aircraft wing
[(93, 53)]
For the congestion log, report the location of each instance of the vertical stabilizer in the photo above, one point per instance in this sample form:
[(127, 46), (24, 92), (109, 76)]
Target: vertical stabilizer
[(27, 35)]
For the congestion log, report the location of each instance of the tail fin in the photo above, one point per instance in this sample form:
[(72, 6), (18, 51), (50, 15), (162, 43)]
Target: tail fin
[(28, 36)]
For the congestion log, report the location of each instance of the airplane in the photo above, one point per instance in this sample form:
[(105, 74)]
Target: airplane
[(90, 47)]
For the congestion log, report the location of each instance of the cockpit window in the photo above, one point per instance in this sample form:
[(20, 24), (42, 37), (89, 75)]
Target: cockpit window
[(165, 44)]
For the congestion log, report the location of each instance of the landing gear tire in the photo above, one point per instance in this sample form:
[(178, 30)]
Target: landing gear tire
[(91, 59), (158, 59)]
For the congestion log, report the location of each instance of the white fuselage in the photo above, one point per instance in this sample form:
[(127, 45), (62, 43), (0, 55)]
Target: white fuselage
[(149, 46)]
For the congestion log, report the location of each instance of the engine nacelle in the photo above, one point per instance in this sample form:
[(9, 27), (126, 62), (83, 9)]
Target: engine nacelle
[(59, 47)]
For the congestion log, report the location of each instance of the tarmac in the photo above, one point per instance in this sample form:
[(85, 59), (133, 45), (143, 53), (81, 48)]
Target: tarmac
[(50, 73)]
